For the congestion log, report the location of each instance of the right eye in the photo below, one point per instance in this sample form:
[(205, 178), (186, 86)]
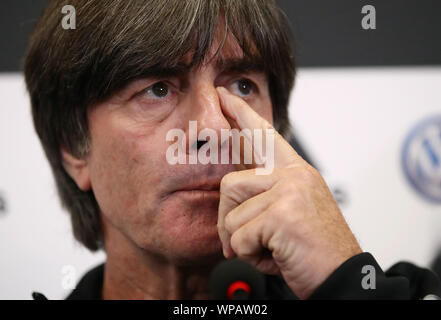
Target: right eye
[(157, 91)]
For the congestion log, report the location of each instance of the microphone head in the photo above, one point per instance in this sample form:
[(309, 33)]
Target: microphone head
[(229, 273)]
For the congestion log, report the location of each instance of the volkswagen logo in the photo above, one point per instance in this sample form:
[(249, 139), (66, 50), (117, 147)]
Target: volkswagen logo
[(421, 158)]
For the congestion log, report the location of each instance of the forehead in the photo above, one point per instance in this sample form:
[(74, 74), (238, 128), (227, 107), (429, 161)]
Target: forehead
[(219, 48), (225, 53)]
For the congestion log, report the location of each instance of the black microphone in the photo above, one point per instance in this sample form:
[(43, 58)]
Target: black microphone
[(38, 296), (237, 280)]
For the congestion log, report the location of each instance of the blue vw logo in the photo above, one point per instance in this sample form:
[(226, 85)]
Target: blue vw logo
[(421, 158)]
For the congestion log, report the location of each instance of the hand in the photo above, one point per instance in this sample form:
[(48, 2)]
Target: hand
[(286, 222)]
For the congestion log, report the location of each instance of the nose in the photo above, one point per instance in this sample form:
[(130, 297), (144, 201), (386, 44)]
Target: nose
[(204, 108)]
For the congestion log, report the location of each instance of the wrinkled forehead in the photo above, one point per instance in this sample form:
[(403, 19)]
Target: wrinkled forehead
[(165, 51)]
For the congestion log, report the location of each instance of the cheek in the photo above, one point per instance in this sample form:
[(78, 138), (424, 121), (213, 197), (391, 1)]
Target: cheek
[(121, 167)]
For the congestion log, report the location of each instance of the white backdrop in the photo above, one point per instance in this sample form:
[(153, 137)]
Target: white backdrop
[(352, 122)]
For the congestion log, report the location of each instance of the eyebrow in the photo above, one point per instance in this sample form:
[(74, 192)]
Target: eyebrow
[(169, 71), (229, 65), (239, 65)]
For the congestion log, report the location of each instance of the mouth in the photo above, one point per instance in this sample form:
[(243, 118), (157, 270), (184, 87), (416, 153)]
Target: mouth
[(213, 186), (198, 182), (199, 190)]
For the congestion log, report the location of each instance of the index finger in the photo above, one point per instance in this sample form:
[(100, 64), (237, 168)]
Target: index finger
[(244, 116)]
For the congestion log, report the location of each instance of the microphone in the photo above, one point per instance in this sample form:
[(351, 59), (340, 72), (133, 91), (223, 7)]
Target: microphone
[(38, 296), (237, 279)]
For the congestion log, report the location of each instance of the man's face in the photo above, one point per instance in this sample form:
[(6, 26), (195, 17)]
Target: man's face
[(169, 210)]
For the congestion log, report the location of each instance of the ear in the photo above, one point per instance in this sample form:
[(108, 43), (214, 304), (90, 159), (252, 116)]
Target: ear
[(77, 169)]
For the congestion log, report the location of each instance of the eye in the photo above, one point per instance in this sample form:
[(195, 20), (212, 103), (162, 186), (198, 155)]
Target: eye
[(242, 87), (158, 90)]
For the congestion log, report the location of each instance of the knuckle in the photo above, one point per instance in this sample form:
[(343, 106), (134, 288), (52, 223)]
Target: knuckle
[(229, 181), (289, 190), (229, 223), (241, 244), (220, 226), (306, 175), (236, 243), (279, 212), (284, 215), (289, 187)]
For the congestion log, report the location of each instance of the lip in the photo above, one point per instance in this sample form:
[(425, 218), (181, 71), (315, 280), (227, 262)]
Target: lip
[(197, 182), (214, 186), (204, 190), (197, 195), (197, 192)]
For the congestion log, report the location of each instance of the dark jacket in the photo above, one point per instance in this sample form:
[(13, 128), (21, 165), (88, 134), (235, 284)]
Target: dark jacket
[(402, 281)]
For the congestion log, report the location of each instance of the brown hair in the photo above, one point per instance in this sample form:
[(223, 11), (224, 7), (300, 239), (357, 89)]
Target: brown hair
[(116, 41)]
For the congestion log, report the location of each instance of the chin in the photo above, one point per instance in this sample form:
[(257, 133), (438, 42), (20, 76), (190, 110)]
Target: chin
[(199, 261), (184, 229), (197, 251)]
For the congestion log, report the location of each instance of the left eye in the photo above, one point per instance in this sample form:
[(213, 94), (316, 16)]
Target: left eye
[(242, 87)]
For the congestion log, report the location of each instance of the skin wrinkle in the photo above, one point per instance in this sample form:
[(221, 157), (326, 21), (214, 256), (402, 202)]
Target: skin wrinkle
[(151, 234), (115, 43)]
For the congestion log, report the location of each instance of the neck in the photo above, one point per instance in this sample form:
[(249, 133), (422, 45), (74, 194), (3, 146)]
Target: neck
[(134, 273)]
